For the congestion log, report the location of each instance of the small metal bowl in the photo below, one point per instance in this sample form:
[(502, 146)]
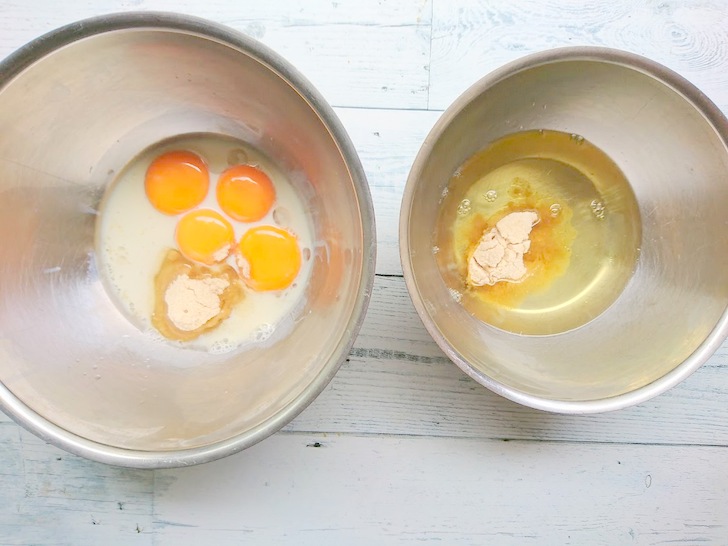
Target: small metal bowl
[(76, 105), (671, 142)]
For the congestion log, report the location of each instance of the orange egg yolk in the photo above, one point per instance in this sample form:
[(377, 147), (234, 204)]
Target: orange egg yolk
[(269, 258), (245, 193), (176, 182), (204, 236)]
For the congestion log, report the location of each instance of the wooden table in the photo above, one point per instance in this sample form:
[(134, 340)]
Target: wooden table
[(402, 447)]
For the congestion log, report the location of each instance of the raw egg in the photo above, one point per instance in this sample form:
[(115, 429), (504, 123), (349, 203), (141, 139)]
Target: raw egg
[(245, 193), (270, 258), (204, 236), (134, 239), (176, 182)]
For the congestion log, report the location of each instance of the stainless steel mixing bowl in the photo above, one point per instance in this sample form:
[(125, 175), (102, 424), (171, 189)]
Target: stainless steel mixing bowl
[(671, 142), (75, 106)]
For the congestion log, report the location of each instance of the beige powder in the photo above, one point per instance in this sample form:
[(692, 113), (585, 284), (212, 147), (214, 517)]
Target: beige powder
[(192, 302), (222, 253), (499, 253)]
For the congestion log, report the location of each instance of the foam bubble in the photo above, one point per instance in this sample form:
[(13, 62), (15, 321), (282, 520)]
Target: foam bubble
[(263, 332), (598, 208), (491, 195), (456, 295), (464, 207), (221, 347)]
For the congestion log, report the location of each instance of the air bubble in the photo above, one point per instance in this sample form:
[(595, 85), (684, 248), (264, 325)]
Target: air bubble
[(555, 209), (598, 208), (221, 347), (457, 174), (306, 253), (263, 332), (577, 138), (457, 296), (540, 131), (237, 157), (464, 207), (435, 249), (490, 196), (444, 193), (281, 216)]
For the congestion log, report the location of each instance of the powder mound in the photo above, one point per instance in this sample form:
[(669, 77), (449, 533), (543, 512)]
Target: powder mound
[(498, 256), (192, 302), (191, 298)]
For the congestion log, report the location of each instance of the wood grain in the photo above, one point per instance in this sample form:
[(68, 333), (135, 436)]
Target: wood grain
[(340, 46), (387, 142), (361, 490), (473, 37), (51, 497), (402, 447)]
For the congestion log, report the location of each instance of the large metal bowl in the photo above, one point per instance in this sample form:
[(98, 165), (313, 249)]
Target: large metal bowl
[(75, 106), (671, 142)]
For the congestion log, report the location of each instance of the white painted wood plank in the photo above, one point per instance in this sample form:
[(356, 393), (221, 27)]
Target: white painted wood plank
[(364, 490), (51, 497), (387, 142), (357, 53), (472, 37), (453, 484)]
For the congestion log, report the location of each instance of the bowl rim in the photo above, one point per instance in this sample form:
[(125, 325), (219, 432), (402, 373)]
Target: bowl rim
[(712, 114), (63, 36)]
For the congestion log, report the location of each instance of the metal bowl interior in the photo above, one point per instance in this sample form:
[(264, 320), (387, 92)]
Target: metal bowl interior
[(75, 106), (671, 142)]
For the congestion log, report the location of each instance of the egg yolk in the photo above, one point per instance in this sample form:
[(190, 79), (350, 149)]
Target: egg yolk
[(245, 193), (176, 182), (270, 258), (204, 236)]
